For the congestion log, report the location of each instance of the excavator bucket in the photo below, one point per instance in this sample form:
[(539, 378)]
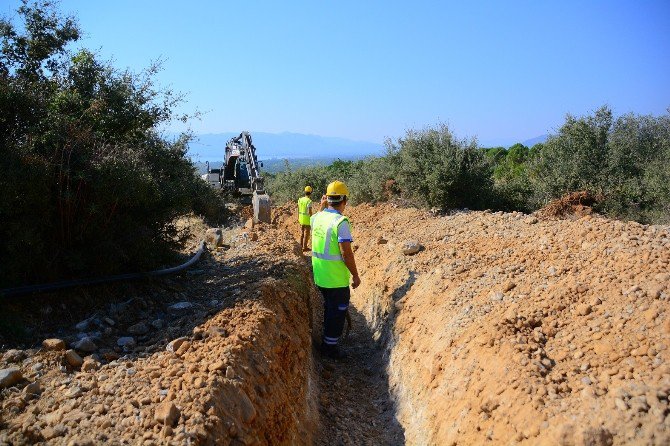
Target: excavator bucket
[(261, 205)]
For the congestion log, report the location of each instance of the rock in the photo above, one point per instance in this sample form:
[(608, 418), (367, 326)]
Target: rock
[(218, 365), (381, 241), (53, 344), (583, 309), (109, 321), (83, 325), (167, 413), (214, 237), (596, 301), (248, 409), (86, 345), (9, 377), (33, 388), (72, 358), (89, 365), (632, 289), (73, 392), (174, 345), (508, 286), (253, 236), (138, 329), (497, 296), (157, 324), (411, 247), (249, 224), (180, 306), (14, 355), (183, 348), (620, 404), (230, 372), (126, 342), (49, 433), (595, 436)]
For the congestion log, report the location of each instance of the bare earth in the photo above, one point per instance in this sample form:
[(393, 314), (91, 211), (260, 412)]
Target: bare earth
[(501, 329)]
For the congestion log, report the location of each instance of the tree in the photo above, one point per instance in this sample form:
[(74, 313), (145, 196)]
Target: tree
[(84, 167)]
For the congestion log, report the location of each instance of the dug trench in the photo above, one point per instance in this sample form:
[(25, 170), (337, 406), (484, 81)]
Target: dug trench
[(469, 328)]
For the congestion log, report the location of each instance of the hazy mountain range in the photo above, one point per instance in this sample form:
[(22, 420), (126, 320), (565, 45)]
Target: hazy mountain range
[(211, 146)]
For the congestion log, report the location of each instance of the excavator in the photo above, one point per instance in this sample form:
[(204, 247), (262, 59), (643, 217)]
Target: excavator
[(241, 175)]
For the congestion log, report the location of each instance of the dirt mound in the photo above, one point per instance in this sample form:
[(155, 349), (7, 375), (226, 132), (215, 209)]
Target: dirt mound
[(504, 329), (574, 204), (225, 358), (508, 330)]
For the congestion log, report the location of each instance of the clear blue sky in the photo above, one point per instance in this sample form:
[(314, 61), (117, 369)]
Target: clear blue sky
[(366, 70)]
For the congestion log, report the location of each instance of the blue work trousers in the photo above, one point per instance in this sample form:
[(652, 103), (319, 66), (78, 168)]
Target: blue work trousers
[(335, 304)]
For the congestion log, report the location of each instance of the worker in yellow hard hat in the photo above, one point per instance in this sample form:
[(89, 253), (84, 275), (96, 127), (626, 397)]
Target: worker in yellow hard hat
[(333, 264), (304, 214)]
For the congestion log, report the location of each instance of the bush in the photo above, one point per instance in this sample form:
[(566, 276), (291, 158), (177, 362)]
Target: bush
[(625, 161), (88, 186), (433, 168)]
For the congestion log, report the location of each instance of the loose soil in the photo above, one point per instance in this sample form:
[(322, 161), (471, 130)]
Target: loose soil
[(469, 328)]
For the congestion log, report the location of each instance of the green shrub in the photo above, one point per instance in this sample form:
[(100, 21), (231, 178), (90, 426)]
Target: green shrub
[(625, 161), (88, 185), (433, 168)]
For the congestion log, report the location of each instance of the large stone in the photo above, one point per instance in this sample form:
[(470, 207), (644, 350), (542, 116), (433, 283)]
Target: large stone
[(126, 342), (181, 306), (138, 329), (32, 389), (86, 345), (83, 325), (14, 355), (53, 344), (167, 413), (89, 365), (262, 208), (9, 377), (72, 358), (411, 247), (174, 345), (583, 309), (214, 237)]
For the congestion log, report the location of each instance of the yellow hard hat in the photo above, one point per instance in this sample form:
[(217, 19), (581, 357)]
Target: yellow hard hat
[(308, 188), (337, 188)]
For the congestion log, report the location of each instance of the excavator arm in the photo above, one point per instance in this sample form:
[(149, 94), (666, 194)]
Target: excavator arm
[(241, 174)]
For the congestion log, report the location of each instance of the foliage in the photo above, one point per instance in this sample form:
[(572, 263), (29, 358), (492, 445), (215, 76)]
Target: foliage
[(88, 184), (429, 168), (435, 169), (625, 161)]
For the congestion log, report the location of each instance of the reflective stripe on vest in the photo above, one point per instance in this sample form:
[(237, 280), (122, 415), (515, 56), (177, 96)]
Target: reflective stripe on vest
[(328, 264)]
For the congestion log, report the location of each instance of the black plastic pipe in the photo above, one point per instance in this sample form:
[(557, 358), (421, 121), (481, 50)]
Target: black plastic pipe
[(33, 289)]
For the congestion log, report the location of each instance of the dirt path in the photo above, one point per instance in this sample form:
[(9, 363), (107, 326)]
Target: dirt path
[(355, 404)]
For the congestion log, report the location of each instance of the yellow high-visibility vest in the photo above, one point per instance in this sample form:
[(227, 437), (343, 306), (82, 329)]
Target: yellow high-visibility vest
[(327, 262), (303, 210)]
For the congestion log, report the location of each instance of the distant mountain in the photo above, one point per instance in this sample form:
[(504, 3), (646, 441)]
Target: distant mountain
[(538, 139), (211, 146)]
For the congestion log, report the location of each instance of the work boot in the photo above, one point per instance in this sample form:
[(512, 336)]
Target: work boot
[(333, 352)]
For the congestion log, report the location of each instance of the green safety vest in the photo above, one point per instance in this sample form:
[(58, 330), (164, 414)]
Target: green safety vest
[(327, 262), (303, 210)]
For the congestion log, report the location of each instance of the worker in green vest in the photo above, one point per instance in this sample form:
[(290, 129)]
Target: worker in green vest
[(304, 214), (333, 265)]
